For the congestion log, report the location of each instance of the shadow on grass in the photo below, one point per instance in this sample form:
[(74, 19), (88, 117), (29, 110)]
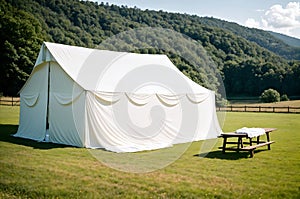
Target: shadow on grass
[(231, 155), (7, 130)]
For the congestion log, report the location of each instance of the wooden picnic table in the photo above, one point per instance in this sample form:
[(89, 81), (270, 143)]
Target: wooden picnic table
[(239, 145)]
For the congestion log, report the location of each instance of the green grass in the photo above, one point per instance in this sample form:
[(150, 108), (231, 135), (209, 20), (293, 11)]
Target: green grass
[(9, 115), (31, 169)]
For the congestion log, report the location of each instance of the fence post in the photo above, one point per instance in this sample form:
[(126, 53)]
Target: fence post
[(273, 109), (288, 109), (259, 109), (12, 101), (231, 108), (245, 108)]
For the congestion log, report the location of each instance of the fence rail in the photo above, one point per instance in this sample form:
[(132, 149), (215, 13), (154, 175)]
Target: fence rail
[(264, 109), (10, 101)]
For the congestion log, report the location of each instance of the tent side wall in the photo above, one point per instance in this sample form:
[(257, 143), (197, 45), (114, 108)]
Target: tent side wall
[(66, 108), (33, 105), (127, 122)]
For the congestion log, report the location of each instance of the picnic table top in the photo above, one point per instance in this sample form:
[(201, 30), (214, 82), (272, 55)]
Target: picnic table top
[(234, 134)]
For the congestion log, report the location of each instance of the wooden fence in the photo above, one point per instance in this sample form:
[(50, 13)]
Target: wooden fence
[(264, 109), (10, 101)]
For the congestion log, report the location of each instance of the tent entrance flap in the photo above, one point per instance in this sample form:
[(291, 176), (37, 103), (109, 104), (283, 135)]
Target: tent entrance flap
[(65, 108)]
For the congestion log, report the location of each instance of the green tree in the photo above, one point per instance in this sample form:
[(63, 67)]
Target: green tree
[(284, 97), (270, 95), (20, 38)]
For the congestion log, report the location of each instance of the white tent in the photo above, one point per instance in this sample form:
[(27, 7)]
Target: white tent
[(122, 102)]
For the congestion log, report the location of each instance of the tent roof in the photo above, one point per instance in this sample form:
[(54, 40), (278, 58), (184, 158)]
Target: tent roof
[(110, 71)]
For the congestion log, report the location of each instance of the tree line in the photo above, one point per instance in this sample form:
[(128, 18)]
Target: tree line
[(243, 57)]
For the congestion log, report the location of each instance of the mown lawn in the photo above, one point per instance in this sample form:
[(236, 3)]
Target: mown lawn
[(30, 169)]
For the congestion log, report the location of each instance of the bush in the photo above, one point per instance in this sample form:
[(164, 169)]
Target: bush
[(222, 102), (270, 95), (284, 97)]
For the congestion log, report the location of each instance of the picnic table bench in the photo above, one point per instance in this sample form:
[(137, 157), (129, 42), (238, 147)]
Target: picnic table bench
[(239, 144)]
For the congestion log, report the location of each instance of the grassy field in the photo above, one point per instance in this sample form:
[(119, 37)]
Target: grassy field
[(30, 169)]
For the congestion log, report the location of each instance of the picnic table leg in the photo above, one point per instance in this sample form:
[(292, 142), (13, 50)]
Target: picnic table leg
[(250, 141), (224, 144), (268, 140), (251, 153), (257, 141), (240, 143)]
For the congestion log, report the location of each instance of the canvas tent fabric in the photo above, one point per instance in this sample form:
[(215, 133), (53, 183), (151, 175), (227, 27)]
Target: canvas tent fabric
[(118, 101)]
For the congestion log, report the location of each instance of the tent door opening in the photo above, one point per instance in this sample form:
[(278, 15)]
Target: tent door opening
[(48, 96)]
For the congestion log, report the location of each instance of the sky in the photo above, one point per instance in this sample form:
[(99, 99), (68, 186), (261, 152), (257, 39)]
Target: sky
[(281, 16)]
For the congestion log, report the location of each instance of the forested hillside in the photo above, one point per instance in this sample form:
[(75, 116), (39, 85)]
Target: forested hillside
[(246, 65), (286, 39), (265, 39)]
